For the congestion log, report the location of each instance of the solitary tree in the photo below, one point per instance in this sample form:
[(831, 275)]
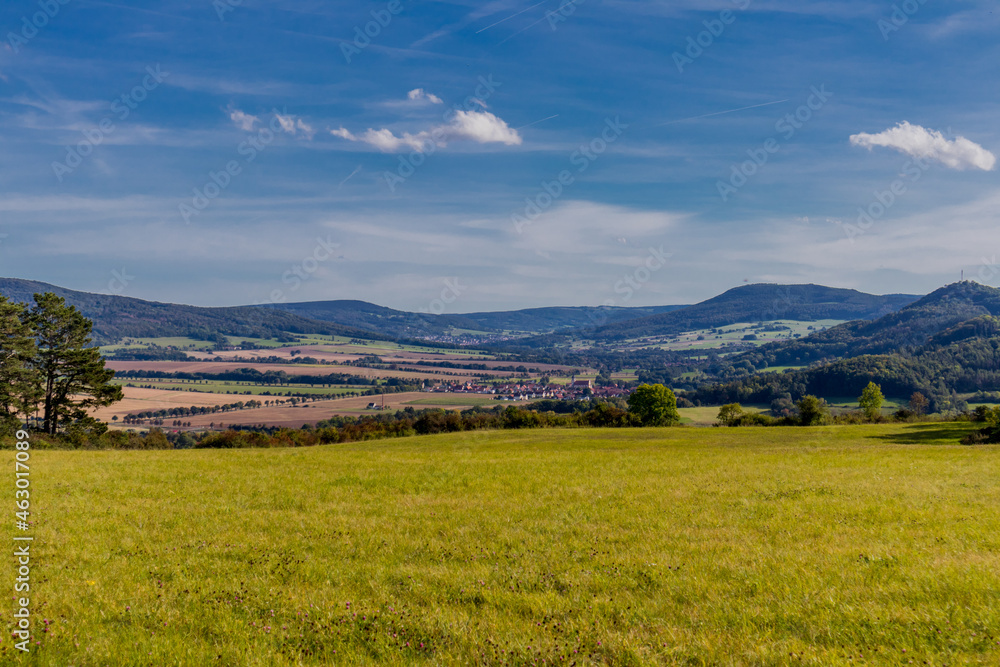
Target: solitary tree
[(72, 373), (729, 415), (871, 401), (18, 388), (812, 410), (919, 403), (654, 405)]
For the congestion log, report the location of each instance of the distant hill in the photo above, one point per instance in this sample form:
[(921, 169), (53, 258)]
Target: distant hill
[(116, 317), (910, 327), (760, 303), (363, 315), (749, 303), (944, 344)]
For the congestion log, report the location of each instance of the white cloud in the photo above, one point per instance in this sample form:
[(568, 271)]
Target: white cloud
[(920, 142), (244, 121), (482, 127), (420, 95), (479, 126)]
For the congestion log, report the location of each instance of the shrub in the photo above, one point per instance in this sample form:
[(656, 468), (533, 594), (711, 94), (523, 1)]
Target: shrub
[(730, 414), (977, 438), (813, 411)]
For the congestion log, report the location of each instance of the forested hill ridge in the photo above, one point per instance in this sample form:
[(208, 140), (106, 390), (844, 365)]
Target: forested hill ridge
[(116, 317), (745, 304), (399, 323), (946, 344), (761, 303), (911, 327)]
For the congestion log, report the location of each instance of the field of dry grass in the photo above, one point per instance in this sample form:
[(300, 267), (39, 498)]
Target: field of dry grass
[(142, 400)]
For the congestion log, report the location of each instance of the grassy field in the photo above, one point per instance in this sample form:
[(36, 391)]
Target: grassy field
[(464, 400), (708, 415), (871, 545)]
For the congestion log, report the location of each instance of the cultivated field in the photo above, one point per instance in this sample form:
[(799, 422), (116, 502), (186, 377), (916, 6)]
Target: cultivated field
[(139, 399), (873, 545), (456, 374), (249, 389), (337, 354), (314, 411), (142, 400)]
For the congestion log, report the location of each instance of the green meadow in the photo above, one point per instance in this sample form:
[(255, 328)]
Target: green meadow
[(456, 399), (845, 545)]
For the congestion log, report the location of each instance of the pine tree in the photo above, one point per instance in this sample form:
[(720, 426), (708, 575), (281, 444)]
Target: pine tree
[(18, 385), (72, 373)]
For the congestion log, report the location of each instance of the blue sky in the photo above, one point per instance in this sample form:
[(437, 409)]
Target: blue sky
[(115, 120)]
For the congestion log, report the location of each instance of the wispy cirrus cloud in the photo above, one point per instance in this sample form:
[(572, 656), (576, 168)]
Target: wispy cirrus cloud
[(292, 125), (287, 123), (919, 142)]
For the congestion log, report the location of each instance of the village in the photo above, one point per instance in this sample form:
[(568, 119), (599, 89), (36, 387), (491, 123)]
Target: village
[(526, 391)]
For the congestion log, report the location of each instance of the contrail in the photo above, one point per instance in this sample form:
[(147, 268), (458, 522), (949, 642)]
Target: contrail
[(510, 17), (352, 174), (547, 15), (537, 122), (718, 113)]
